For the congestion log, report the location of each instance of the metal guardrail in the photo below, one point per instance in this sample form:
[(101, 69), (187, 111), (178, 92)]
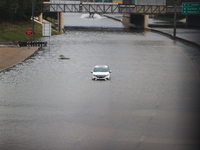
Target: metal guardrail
[(32, 44)]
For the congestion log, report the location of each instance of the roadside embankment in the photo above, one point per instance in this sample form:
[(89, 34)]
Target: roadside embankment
[(10, 32), (10, 56), (10, 51)]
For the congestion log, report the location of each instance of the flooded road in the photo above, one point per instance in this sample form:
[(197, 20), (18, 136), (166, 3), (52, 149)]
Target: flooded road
[(151, 102)]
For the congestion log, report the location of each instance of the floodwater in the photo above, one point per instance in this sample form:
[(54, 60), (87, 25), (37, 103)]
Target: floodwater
[(83, 20), (151, 102)]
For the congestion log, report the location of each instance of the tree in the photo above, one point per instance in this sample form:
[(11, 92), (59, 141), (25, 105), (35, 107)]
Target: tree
[(16, 10), (8, 9)]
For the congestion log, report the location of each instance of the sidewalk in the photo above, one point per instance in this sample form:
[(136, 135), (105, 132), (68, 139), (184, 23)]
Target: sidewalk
[(10, 56)]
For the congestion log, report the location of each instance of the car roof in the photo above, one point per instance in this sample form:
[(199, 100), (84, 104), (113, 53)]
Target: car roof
[(101, 66)]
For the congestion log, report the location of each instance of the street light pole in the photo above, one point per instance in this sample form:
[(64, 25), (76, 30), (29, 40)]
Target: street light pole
[(174, 20), (33, 17)]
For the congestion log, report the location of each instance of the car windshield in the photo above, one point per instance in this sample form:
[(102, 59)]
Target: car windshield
[(100, 69)]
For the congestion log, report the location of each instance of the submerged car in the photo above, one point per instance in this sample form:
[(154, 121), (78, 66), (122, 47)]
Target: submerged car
[(101, 72)]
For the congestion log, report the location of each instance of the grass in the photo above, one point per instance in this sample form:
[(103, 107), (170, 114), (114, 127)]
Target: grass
[(51, 20), (11, 32)]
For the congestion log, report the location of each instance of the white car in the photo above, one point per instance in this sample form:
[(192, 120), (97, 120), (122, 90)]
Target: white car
[(101, 72)]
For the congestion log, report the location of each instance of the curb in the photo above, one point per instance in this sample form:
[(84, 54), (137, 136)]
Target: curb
[(9, 44), (176, 38), (10, 67)]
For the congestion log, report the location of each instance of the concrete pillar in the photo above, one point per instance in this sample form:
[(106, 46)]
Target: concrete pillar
[(126, 19), (60, 21), (146, 21), (193, 20), (139, 20), (40, 17)]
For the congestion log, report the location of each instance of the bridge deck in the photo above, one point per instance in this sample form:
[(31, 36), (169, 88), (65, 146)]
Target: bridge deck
[(95, 7)]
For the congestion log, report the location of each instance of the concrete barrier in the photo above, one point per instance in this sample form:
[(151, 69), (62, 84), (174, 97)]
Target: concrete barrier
[(9, 44)]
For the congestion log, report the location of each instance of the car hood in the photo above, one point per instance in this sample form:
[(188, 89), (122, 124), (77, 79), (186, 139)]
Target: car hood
[(100, 73)]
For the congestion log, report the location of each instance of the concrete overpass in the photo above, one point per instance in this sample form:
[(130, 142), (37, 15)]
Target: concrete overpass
[(135, 11)]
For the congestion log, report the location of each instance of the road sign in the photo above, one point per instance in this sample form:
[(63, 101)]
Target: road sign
[(190, 8), (29, 32), (46, 30)]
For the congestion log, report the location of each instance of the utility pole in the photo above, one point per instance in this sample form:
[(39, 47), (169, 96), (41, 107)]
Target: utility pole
[(174, 20), (33, 17)]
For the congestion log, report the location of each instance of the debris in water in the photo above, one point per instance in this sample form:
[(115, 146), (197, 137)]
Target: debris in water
[(63, 57)]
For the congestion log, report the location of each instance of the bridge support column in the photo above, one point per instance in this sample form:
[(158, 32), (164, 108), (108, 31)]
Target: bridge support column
[(40, 17), (192, 20), (140, 21), (137, 20), (146, 21), (60, 21), (126, 19)]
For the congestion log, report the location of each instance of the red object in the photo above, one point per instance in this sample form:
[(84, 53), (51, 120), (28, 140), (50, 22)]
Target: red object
[(29, 32)]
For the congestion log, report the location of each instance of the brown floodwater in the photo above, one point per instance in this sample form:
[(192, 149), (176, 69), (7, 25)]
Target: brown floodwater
[(151, 102)]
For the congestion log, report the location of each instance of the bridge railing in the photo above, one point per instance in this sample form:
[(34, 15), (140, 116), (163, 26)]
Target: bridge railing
[(84, 6), (105, 1)]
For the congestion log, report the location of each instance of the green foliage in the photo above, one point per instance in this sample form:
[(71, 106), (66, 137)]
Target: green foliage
[(48, 15), (16, 31), (16, 10)]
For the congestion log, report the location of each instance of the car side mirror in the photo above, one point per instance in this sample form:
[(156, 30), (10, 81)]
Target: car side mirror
[(91, 71), (110, 71)]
